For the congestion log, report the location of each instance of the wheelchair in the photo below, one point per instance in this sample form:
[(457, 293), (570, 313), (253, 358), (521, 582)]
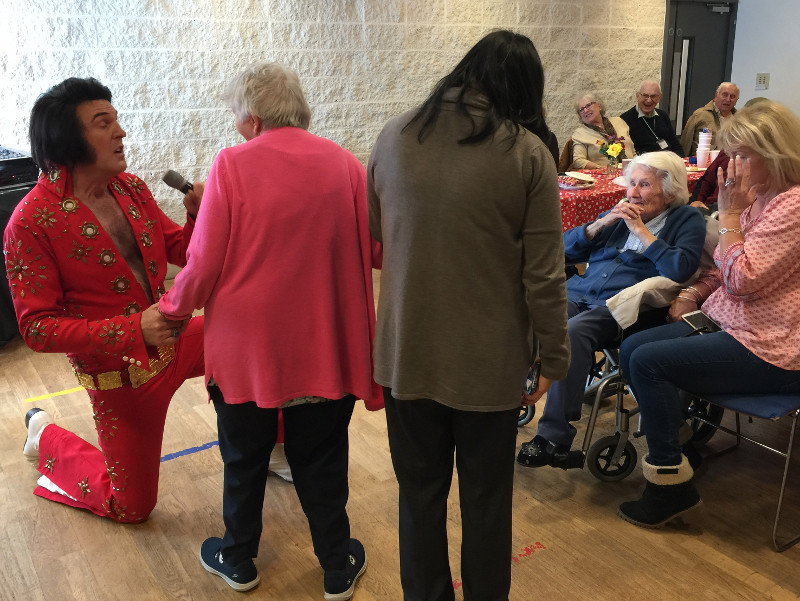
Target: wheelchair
[(613, 457), (526, 414)]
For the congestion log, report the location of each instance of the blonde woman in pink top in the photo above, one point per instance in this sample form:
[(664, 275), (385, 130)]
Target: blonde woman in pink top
[(281, 259), (753, 296)]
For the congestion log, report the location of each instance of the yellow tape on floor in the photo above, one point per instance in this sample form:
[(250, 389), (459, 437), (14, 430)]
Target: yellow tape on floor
[(52, 394)]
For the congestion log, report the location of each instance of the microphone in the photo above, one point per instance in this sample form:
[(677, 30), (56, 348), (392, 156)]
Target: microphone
[(175, 180)]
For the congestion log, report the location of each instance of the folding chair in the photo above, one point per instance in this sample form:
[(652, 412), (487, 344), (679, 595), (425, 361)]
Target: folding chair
[(764, 406)]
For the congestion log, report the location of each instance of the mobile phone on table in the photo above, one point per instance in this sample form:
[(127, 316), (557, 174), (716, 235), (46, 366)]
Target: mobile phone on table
[(701, 322), (532, 381)]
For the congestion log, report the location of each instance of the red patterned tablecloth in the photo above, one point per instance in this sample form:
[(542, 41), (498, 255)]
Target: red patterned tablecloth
[(580, 206)]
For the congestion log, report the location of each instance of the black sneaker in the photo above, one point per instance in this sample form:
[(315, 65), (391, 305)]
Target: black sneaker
[(241, 577), (340, 584)]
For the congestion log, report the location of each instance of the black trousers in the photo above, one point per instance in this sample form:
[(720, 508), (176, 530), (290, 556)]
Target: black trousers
[(316, 445), (423, 437)]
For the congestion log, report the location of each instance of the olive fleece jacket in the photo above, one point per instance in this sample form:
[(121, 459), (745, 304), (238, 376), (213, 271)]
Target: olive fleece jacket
[(473, 267)]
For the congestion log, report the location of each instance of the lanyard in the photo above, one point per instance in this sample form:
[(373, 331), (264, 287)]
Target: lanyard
[(655, 135)]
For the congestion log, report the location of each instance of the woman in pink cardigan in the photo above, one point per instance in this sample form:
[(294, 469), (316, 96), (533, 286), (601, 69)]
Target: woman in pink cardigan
[(281, 259)]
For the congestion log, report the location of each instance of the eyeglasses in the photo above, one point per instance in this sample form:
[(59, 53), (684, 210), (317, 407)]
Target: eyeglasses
[(585, 106), (648, 96)]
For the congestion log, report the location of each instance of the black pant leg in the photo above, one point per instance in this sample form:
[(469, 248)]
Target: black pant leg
[(485, 446), (317, 448), (247, 436), (421, 443)]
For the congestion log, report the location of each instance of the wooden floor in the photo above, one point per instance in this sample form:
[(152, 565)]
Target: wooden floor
[(568, 542)]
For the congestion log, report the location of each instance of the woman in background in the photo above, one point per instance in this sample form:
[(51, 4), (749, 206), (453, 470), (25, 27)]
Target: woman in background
[(596, 127), (464, 197)]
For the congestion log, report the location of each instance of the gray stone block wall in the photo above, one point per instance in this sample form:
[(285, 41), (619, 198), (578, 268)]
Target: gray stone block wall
[(360, 61)]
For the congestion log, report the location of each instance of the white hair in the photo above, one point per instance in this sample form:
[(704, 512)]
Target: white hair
[(669, 168), (592, 98), (727, 83), (652, 81), (270, 92)]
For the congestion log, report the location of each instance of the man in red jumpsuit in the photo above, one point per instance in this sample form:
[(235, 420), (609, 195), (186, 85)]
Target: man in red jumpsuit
[(86, 254)]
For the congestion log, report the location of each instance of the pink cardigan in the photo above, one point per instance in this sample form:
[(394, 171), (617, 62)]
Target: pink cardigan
[(281, 258), (757, 284)]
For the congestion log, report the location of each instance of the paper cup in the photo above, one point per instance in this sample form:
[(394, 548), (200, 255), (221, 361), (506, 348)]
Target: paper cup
[(703, 157), (714, 155)]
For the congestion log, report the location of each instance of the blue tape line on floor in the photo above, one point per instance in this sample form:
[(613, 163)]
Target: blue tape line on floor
[(203, 447)]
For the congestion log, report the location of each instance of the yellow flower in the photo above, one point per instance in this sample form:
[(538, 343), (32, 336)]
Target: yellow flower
[(614, 150)]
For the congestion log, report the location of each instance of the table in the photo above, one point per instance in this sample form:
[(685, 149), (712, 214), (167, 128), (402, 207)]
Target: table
[(581, 206)]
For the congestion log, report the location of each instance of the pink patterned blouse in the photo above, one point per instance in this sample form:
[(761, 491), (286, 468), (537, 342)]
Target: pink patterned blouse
[(756, 285)]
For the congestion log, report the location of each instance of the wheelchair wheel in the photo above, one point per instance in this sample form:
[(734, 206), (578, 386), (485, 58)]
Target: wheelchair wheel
[(526, 413), (697, 407), (598, 459)]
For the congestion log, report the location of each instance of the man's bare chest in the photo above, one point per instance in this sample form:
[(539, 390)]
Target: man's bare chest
[(112, 219)]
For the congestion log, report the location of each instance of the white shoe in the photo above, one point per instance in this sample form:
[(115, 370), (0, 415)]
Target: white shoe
[(278, 464), (35, 420), (47, 483)]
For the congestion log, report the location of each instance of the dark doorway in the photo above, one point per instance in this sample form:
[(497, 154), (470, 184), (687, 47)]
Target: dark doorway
[(698, 53)]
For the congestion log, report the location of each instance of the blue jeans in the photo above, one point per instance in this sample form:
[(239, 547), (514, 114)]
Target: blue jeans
[(660, 361)]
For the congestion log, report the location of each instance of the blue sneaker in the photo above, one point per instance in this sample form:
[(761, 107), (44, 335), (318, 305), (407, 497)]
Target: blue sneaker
[(241, 577), (340, 584)]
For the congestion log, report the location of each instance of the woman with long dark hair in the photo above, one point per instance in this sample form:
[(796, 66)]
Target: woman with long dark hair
[(464, 196)]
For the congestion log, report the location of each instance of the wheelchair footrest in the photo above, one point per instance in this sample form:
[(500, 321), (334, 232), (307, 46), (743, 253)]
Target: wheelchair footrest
[(569, 460)]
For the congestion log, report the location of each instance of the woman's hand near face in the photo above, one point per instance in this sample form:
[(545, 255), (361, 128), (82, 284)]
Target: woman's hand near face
[(737, 194), (632, 216)]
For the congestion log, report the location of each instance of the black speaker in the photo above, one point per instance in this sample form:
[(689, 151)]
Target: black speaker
[(9, 199)]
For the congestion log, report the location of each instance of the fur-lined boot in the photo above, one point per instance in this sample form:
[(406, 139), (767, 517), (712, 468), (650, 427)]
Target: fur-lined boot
[(669, 493)]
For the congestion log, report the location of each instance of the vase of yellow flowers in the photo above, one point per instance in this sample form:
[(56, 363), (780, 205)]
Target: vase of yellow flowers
[(614, 149)]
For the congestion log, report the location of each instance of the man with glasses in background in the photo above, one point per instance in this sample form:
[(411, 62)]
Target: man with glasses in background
[(650, 128)]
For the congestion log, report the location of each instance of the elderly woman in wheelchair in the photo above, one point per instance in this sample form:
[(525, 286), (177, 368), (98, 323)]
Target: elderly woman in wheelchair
[(752, 296), (652, 233)]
